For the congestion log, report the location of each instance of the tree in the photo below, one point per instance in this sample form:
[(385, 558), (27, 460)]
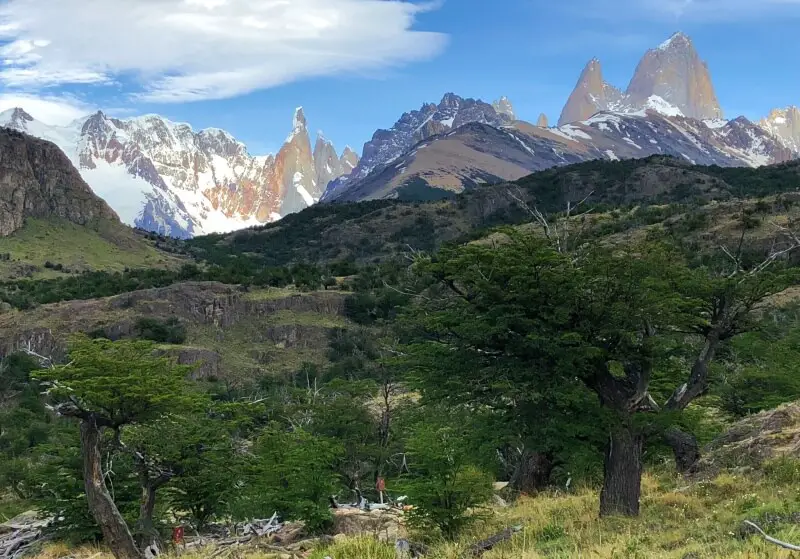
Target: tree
[(107, 386), (291, 473), (443, 483), (523, 315)]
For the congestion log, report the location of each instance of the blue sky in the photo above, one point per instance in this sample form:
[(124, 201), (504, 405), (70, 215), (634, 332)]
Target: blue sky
[(356, 65)]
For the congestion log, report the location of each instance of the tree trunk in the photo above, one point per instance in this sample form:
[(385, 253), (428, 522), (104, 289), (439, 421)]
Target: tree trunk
[(622, 475), (532, 473), (146, 533), (115, 531), (685, 447)]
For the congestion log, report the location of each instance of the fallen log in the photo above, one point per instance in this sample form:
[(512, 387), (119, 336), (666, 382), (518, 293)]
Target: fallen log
[(481, 547), (771, 539)]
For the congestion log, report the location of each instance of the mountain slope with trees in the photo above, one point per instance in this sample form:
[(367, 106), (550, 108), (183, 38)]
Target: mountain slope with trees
[(524, 332)]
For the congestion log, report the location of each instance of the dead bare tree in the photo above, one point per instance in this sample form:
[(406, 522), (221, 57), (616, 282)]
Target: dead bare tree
[(559, 233)]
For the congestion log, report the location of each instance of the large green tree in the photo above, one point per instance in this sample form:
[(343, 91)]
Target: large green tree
[(108, 386), (519, 322)]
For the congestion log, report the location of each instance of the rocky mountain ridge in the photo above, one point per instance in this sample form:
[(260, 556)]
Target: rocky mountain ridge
[(165, 177), (477, 153), (413, 127)]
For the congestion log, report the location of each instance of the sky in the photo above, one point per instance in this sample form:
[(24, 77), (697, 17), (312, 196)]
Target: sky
[(357, 65)]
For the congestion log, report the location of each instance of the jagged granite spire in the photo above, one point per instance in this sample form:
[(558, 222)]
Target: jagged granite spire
[(591, 94), (674, 72)]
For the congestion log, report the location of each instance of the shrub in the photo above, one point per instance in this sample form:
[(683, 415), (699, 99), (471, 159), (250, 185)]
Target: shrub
[(445, 487), (170, 331)]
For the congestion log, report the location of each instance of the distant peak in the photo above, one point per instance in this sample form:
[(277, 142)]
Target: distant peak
[(299, 118), (20, 114), (451, 99), (676, 39), (321, 135)]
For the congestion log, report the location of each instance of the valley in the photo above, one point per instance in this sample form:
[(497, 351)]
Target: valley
[(478, 337)]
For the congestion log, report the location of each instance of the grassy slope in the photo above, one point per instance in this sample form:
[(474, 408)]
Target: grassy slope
[(699, 520), (104, 246)]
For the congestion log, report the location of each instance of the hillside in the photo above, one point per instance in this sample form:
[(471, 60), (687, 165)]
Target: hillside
[(230, 333), (381, 229), (52, 223)]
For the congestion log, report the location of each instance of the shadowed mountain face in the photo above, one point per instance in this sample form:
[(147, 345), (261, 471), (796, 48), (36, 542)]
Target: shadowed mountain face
[(38, 181)]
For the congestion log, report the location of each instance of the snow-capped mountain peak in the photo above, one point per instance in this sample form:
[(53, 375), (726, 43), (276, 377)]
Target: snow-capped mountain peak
[(676, 40), (162, 176)]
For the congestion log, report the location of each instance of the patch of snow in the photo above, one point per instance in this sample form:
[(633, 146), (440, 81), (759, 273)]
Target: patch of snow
[(715, 124), (523, 144), (275, 216), (298, 184), (660, 105), (654, 142), (449, 121), (668, 43), (611, 155), (631, 142), (113, 182), (572, 132)]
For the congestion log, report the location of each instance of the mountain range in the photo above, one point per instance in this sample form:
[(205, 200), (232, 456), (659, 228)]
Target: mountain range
[(165, 177)]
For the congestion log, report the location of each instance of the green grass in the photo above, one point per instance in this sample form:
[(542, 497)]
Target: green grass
[(679, 519), (103, 246), (11, 507)]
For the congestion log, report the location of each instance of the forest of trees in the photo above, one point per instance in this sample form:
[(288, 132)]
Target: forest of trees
[(538, 357)]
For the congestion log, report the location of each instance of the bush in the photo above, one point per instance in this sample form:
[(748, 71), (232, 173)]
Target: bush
[(170, 331), (445, 486)]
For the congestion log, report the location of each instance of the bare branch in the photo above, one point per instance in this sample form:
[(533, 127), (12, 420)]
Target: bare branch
[(771, 539)]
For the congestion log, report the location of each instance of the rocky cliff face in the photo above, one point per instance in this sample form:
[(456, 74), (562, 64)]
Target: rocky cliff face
[(165, 177), (591, 94), (328, 165), (294, 169), (675, 73), (784, 124), (414, 127), (38, 180), (229, 333), (671, 79)]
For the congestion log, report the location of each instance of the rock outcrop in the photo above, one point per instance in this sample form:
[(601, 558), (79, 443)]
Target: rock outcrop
[(37, 180), (542, 122), (218, 317)]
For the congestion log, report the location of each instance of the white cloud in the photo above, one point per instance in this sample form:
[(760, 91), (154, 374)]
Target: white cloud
[(50, 110), (204, 49)]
